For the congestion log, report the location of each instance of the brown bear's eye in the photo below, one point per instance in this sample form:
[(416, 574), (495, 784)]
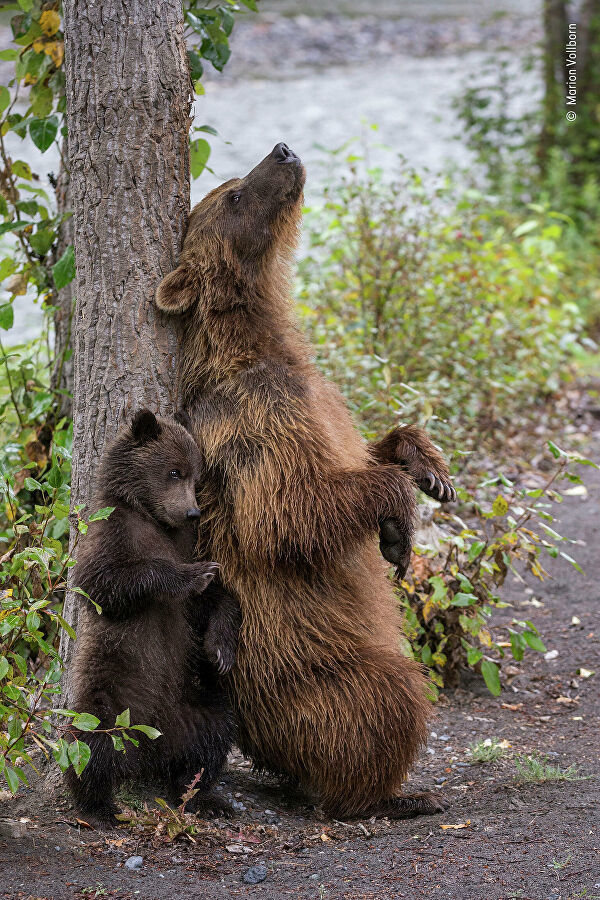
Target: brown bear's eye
[(175, 473), (235, 198)]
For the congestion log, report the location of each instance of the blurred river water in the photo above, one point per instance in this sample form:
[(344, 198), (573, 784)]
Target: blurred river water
[(316, 81)]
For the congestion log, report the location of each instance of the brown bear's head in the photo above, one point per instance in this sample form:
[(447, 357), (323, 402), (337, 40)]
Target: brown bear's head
[(153, 465), (235, 234)]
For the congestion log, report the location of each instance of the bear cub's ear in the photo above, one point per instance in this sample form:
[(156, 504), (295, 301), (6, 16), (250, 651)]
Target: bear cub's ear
[(183, 418), (145, 426), (177, 291)]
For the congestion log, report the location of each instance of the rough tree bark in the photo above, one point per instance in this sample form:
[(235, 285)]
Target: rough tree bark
[(62, 371), (128, 117)]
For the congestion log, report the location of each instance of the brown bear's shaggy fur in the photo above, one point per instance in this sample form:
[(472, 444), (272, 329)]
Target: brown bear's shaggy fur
[(290, 504), (141, 654)]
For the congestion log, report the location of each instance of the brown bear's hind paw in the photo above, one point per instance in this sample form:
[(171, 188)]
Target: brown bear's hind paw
[(440, 488), (408, 806), (395, 544)]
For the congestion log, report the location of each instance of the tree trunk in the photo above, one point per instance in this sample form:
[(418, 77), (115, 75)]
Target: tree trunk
[(62, 370), (128, 117), (555, 37)]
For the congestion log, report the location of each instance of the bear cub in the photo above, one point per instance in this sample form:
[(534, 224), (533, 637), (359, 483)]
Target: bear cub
[(165, 634)]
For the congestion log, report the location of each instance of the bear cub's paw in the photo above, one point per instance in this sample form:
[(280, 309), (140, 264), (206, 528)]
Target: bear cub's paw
[(219, 652), (202, 575)]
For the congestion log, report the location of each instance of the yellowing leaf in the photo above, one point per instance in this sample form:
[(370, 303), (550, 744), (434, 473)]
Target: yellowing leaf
[(49, 21), (56, 50), (585, 673), (485, 637), (429, 610), (500, 507), (456, 827), (38, 45), (9, 512), (30, 79)]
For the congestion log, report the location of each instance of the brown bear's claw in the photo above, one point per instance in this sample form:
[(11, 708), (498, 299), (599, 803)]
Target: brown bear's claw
[(437, 488)]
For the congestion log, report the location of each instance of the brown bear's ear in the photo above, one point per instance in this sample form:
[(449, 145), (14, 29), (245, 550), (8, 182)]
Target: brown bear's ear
[(177, 291), (145, 426)]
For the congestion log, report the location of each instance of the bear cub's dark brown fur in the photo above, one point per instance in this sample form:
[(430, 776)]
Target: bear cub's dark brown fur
[(165, 633)]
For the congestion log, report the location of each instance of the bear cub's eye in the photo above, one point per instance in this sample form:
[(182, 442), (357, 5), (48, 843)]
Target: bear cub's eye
[(175, 473), (235, 198)]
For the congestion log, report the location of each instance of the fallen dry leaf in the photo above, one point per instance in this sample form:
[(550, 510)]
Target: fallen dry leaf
[(568, 701), (513, 706), (456, 827), (83, 824), (585, 673)]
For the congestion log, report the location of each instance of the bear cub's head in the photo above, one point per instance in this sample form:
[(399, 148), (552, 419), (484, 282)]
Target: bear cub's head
[(236, 233), (153, 466)]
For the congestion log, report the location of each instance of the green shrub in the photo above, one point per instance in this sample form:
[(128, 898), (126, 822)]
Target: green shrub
[(450, 593), (425, 310)]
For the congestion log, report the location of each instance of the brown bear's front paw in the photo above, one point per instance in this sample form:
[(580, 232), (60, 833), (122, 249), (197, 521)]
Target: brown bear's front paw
[(428, 803), (395, 545), (438, 487)]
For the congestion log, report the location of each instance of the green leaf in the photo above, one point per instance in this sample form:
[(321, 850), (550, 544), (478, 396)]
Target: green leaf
[(534, 641), (7, 316), (462, 599), (4, 98), (208, 129), (118, 742), (42, 240), (123, 719), (4, 667), (473, 656), (12, 779), (103, 513), (491, 676), (43, 132), (426, 655), (9, 55), (525, 227), (196, 67), (68, 628), (555, 451), (85, 722), (199, 153), (475, 549), (61, 754), (517, 645), (13, 226), (42, 100), (79, 755), (227, 20), (63, 271), (22, 169)]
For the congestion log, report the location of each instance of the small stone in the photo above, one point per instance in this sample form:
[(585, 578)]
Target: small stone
[(255, 874), (236, 848), (270, 812), (444, 737), (134, 862), (551, 654), (12, 828), (237, 804)]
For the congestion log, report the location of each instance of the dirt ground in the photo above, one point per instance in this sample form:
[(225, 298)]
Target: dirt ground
[(515, 840)]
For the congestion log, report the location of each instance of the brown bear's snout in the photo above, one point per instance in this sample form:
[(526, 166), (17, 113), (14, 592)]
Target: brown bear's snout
[(193, 513), (281, 153)]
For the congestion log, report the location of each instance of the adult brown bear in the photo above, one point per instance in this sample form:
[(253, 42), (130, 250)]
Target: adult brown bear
[(290, 504)]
